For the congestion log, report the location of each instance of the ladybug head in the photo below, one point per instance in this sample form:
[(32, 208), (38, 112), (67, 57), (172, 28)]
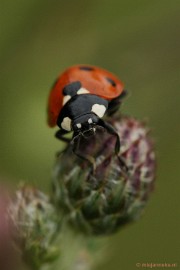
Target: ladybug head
[(85, 125)]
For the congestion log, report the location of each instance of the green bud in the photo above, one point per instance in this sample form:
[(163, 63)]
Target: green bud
[(35, 225), (102, 201)]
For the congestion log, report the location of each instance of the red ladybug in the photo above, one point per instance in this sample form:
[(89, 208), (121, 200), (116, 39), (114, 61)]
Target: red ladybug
[(79, 99)]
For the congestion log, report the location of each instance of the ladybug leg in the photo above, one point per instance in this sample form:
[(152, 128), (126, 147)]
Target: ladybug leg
[(60, 135), (123, 163), (88, 158), (112, 131), (116, 103)]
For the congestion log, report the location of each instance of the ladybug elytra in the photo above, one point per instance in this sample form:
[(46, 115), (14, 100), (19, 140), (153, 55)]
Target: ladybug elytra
[(80, 98)]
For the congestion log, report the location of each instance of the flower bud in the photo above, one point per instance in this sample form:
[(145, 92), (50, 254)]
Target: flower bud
[(101, 201), (7, 252), (36, 226)]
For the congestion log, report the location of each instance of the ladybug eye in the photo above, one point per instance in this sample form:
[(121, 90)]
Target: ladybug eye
[(86, 68), (112, 82)]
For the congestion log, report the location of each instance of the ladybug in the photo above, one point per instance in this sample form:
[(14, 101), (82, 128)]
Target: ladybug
[(80, 98)]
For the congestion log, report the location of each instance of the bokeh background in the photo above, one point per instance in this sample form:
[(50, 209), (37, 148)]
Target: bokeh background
[(136, 39)]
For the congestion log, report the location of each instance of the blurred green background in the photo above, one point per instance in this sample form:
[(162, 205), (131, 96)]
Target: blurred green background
[(136, 39)]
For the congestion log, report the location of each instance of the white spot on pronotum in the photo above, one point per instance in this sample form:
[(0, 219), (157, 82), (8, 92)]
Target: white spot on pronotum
[(66, 124), (98, 109), (66, 99), (90, 120), (82, 91), (79, 125)]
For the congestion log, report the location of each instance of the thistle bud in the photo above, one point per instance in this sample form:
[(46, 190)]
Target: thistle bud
[(35, 226), (8, 256), (101, 201)]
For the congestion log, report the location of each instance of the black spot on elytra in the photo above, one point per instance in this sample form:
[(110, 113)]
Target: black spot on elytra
[(112, 82), (72, 88), (86, 68)]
